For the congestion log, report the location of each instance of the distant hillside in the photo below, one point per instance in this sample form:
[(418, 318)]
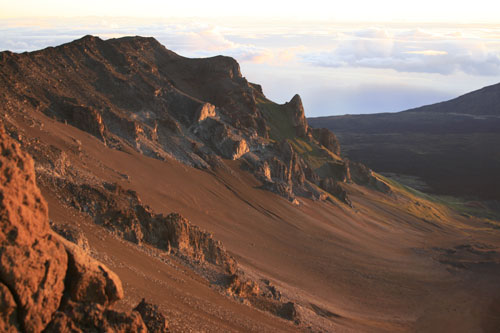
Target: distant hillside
[(485, 101), (451, 147)]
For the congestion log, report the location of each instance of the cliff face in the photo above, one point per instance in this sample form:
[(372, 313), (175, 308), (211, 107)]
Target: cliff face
[(133, 93)]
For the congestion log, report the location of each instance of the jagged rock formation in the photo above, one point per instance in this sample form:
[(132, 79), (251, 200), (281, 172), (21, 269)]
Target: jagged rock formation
[(296, 109), (47, 282), (155, 321), (133, 93), (122, 212), (327, 139)]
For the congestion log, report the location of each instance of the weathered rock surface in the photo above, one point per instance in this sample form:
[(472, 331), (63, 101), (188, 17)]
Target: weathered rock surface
[(93, 317), (298, 116), (123, 212), (205, 111), (326, 138), (46, 282), (8, 311), (32, 262), (152, 317), (89, 280), (72, 234)]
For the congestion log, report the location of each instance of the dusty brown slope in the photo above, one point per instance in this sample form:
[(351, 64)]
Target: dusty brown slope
[(393, 262)]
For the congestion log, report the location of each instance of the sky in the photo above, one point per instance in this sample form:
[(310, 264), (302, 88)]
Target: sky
[(340, 56)]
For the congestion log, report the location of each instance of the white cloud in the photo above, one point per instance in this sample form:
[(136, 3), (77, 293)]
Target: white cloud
[(416, 50)]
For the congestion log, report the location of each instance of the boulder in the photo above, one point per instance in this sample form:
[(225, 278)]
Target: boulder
[(155, 321), (326, 138), (93, 317), (32, 262), (89, 280)]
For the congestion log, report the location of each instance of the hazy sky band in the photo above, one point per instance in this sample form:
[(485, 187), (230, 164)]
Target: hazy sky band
[(479, 11)]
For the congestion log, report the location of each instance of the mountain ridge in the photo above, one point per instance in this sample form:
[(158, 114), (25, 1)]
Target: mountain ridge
[(450, 146), (134, 92), (486, 101)]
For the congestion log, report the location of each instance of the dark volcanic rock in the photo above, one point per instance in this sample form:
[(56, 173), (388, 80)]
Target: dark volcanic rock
[(133, 94), (298, 116), (327, 139), (152, 317), (123, 212), (73, 235)]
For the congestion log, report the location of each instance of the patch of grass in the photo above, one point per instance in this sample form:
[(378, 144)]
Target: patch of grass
[(281, 128), (464, 207), (278, 119)]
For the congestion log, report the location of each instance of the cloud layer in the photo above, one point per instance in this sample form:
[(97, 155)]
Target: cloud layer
[(413, 51)]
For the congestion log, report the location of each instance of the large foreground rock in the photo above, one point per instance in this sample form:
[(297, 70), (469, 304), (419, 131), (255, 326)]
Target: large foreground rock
[(32, 262), (46, 282)]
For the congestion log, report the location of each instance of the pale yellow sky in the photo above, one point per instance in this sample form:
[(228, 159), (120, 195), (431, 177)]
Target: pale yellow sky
[(477, 11)]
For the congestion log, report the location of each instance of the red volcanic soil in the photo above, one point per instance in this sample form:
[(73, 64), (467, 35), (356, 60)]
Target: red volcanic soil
[(392, 263)]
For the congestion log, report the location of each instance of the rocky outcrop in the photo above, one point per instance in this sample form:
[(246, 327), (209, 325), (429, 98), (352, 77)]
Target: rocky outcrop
[(362, 175), (326, 138), (72, 234), (241, 287), (298, 116), (32, 262), (204, 111), (222, 138), (83, 117), (155, 321), (46, 282), (331, 186), (122, 212)]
